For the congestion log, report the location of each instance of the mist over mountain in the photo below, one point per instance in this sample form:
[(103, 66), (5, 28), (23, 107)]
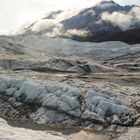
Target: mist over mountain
[(98, 23)]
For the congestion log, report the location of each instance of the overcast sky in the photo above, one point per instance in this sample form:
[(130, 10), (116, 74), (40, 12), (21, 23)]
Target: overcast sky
[(16, 12)]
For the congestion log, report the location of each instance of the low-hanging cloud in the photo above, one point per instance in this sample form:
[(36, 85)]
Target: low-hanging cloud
[(122, 19), (67, 14), (119, 19), (76, 32), (136, 12), (32, 10), (51, 27), (54, 29), (44, 24), (20, 29), (55, 21)]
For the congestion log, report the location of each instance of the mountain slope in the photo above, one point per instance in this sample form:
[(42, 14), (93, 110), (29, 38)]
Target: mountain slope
[(105, 16), (131, 36)]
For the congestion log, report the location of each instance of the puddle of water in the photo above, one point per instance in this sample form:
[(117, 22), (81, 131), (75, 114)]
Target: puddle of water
[(42, 127), (71, 133)]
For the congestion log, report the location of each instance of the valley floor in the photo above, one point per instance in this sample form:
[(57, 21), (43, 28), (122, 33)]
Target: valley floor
[(70, 91)]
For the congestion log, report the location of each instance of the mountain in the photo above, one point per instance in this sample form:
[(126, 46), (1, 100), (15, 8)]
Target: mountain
[(103, 22), (106, 16), (91, 18)]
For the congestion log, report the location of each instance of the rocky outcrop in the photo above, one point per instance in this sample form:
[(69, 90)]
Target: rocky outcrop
[(84, 67)]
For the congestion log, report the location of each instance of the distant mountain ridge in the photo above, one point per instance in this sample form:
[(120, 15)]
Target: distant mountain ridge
[(102, 22)]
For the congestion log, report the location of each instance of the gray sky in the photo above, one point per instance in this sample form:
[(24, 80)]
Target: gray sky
[(16, 12)]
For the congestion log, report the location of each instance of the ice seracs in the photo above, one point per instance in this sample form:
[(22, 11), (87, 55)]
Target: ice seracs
[(58, 103)]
